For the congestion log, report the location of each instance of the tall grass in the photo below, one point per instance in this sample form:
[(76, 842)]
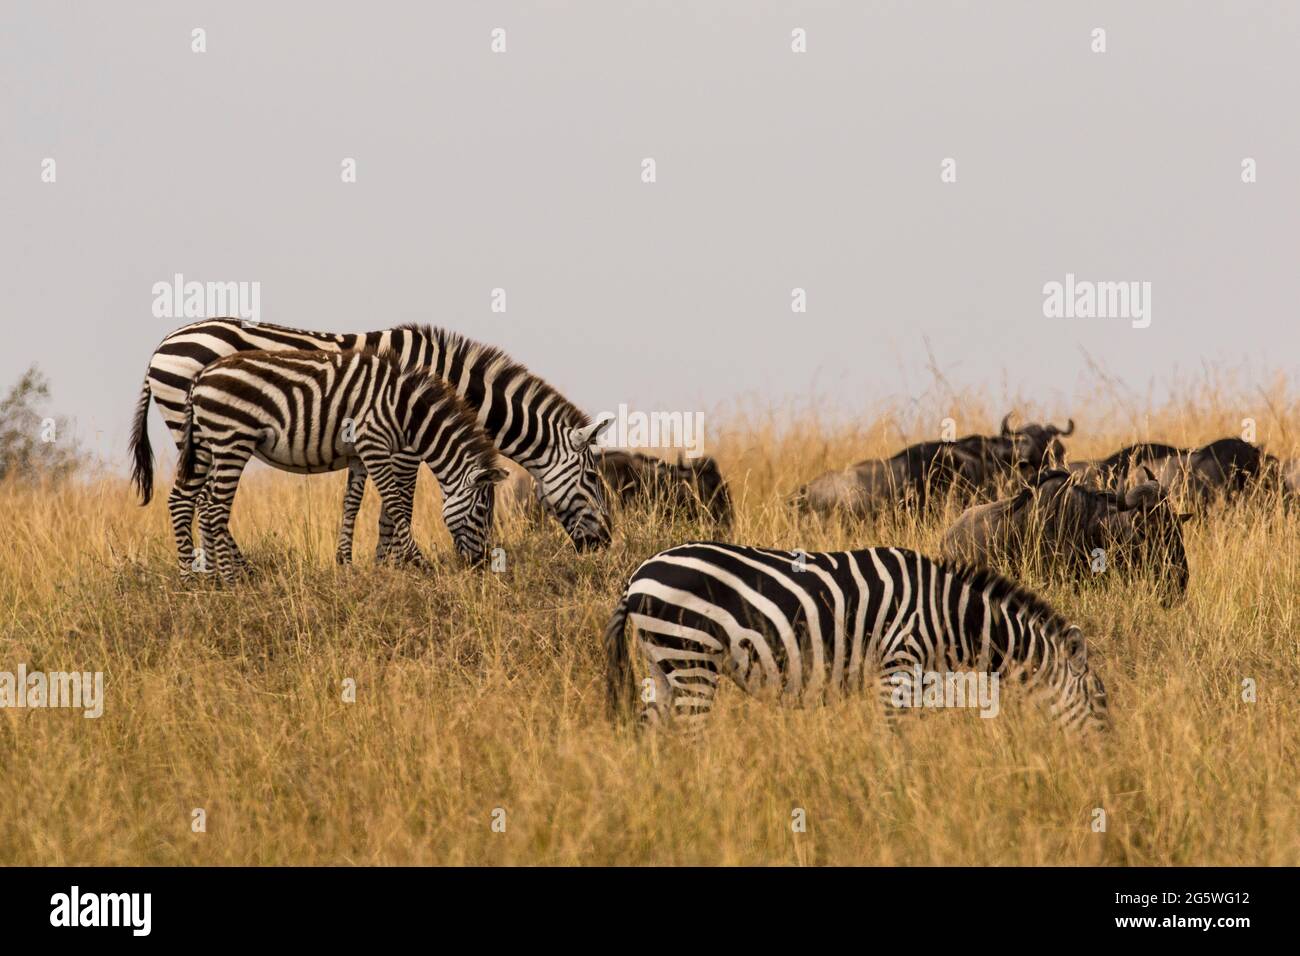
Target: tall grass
[(478, 692)]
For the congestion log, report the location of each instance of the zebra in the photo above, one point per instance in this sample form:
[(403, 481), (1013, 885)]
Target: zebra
[(802, 627), (525, 417), (320, 411)]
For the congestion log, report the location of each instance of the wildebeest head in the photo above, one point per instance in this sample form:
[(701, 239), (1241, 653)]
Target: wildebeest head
[(1145, 532), (693, 489), (1037, 445), (708, 484)]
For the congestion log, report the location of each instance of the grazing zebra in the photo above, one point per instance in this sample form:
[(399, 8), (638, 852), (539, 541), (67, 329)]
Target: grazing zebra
[(321, 411), (801, 627), (527, 419)]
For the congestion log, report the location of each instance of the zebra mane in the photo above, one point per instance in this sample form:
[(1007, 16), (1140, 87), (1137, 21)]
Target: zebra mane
[(453, 343), (478, 448), (1001, 588)]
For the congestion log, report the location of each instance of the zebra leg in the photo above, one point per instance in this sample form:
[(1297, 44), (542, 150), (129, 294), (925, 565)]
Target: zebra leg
[(385, 542), (656, 692), (694, 684), (352, 498), (181, 505), (395, 492), (240, 563), (214, 520), (899, 688), (208, 547), (683, 681), (406, 470)]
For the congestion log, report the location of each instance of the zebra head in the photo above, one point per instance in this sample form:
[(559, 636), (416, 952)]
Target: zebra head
[(467, 510), (1080, 696), (571, 488)]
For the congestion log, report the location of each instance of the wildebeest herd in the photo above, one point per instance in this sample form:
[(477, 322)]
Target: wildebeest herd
[(793, 625)]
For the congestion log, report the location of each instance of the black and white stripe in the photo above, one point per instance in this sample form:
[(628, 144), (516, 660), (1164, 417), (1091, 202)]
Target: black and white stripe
[(804, 627), (523, 416), (320, 411)]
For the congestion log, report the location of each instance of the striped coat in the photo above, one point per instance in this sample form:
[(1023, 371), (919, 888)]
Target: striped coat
[(802, 627), (320, 411), (522, 415)]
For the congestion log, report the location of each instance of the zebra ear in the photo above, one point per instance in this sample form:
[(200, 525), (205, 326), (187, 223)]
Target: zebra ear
[(582, 438), (1076, 649)]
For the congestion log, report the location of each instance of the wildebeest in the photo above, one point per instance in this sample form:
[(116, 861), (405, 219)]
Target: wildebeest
[(1221, 470), (1113, 470), (1036, 445), (1072, 529), (966, 468), (691, 488)]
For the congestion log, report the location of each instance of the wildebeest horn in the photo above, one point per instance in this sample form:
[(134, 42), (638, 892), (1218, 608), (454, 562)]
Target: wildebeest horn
[(1006, 424), (1068, 431), (1151, 475), (1145, 495)]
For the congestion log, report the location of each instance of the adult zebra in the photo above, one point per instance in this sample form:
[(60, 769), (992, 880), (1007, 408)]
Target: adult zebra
[(527, 419), (319, 411), (802, 626)]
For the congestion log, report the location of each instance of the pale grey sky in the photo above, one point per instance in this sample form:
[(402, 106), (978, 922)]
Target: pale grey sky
[(775, 170)]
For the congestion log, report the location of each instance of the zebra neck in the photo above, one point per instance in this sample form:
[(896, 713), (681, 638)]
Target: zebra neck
[(518, 411), (432, 431), (1021, 640)]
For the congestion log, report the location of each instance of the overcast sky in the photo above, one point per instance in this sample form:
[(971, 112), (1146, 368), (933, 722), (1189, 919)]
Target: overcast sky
[(775, 170)]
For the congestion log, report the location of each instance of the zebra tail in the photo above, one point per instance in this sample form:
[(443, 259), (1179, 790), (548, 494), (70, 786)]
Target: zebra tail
[(141, 449), (189, 454), (620, 685)]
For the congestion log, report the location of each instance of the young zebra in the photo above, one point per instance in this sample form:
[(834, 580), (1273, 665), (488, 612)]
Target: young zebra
[(320, 411), (527, 419), (801, 627)]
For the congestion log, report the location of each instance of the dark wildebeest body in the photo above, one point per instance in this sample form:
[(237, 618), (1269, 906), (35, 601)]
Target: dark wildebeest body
[(1222, 470), (1068, 528), (692, 488), (920, 474), (1114, 470)]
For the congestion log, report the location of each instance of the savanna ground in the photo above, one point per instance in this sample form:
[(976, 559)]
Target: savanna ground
[(484, 691)]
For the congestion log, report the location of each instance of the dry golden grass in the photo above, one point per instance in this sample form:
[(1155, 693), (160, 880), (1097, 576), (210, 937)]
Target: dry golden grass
[(484, 691)]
